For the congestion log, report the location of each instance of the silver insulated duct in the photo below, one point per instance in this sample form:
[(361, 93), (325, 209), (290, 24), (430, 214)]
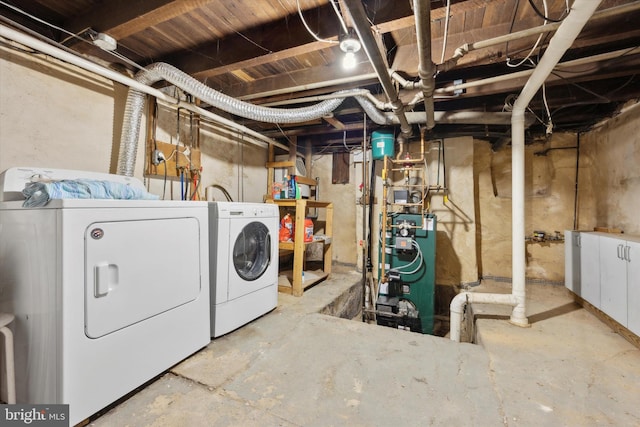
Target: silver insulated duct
[(161, 71)]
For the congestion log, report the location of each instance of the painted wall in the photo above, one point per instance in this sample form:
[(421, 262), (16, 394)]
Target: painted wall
[(549, 206), (608, 193), (53, 116), (343, 196), (609, 183), (58, 116), (456, 261)]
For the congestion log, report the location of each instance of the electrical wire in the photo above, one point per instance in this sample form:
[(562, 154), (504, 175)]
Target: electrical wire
[(48, 24), (549, 128), (446, 30), (164, 183), (340, 18), (309, 29), (535, 46), (224, 21), (401, 269), (545, 17), (546, 13)]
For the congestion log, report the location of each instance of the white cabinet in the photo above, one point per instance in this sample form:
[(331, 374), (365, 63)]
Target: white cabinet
[(613, 278), (572, 261), (604, 270), (590, 268), (633, 286)]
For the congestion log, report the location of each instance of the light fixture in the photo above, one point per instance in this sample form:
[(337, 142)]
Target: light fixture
[(349, 44)]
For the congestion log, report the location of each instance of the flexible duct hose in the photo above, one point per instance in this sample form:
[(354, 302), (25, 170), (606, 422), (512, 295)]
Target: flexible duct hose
[(377, 116), (161, 71)]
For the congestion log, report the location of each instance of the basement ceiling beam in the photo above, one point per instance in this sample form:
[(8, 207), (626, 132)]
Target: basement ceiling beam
[(284, 38), (298, 81), (563, 75), (277, 36), (335, 122), (122, 18)]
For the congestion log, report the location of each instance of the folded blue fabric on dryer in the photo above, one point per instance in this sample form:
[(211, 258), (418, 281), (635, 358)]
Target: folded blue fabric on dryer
[(39, 193)]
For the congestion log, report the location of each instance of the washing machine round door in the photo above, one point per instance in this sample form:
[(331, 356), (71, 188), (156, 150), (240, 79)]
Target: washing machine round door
[(252, 251)]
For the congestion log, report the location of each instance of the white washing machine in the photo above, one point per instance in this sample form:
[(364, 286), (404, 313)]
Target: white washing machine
[(107, 294), (244, 263)]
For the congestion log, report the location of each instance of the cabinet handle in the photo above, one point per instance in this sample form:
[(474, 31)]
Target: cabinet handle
[(620, 251), (579, 240), (627, 253)]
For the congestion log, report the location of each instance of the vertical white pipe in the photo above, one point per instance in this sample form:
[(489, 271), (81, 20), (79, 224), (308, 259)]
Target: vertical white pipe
[(518, 315), (568, 31), (580, 13)]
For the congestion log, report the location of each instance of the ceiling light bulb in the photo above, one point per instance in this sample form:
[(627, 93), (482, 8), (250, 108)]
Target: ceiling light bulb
[(349, 44), (349, 61)]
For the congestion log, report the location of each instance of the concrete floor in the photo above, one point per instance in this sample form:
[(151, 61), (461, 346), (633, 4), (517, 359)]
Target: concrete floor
[(297, 367)]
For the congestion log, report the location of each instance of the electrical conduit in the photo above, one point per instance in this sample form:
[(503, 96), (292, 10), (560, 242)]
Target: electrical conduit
[(568, 31)]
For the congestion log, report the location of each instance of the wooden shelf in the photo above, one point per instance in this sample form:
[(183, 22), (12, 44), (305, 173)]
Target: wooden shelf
[(298, 245), (310, 278)]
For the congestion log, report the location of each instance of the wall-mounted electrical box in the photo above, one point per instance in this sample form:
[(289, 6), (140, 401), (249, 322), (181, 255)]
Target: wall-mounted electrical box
[(177, 158)]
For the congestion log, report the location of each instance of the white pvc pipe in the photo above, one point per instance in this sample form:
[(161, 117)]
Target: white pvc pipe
[(466, 48), (464, 298), (562, 40), (526, 73), (612, 11), (467, 117), (70, 58)]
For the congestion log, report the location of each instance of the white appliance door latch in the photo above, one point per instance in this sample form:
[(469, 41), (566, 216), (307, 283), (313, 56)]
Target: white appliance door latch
[(105, 277)]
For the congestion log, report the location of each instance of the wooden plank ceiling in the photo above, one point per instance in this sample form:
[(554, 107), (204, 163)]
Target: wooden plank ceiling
[(262, 51)]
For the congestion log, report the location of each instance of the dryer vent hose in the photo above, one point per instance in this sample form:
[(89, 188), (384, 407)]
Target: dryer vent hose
[(161, 71)]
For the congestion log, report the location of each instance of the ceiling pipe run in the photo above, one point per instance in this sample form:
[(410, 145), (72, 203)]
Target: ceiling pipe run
[(468, 47), (363, 29), (568, 31), (525, 73), (465, 118), (426, 68)]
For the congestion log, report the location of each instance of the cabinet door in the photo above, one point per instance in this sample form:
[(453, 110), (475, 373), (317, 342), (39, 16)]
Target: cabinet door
[(633, 287), (572, 261), (613, 279), (590, 268)]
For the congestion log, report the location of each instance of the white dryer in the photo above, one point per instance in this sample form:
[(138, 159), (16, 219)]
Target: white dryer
[(244, 263), (107, 294)]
